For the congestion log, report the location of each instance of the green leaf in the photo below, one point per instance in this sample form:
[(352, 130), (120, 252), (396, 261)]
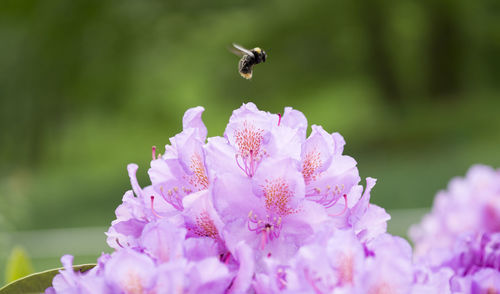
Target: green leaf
[(38, 282), (18, 265)]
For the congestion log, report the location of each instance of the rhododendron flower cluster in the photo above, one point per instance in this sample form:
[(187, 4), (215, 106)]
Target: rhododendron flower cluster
[(461, 236), (470, 205), (264, 209)]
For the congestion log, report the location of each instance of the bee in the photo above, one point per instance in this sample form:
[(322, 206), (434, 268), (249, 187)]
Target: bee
[(249, 58)]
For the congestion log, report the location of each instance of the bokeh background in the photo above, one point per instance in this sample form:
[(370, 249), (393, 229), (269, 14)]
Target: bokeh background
[(87, 86)]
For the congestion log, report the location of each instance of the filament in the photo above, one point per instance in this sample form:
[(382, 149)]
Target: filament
[(343, 210), (153, 209)]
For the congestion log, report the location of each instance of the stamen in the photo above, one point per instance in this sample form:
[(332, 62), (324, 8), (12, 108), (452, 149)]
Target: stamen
[(269, 228), (249, 141), (310, 164), (327, 197), (153, 209), (226, 259), (282, 281), (281, 278), (205, 226), (239, 165), (313, 281), (251, 163), (279, 120), (199, 178), (277, 197), (172, 197), (153, 152), (343, 210), (118, 242), (263, 240)]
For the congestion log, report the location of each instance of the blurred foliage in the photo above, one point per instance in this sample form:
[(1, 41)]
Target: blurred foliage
[(87, 86), (18, 265)]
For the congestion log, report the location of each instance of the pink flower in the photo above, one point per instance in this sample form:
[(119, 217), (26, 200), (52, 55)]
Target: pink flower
[(341, 263), (267, 209), (263, 209), (461, 235), (470, 205), (135, 212), (181, 170)]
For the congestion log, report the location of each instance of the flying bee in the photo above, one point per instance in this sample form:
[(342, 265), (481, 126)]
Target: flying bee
[(249, 58)]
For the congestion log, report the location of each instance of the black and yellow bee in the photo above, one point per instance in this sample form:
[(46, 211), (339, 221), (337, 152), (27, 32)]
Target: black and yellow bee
[(249, 58)]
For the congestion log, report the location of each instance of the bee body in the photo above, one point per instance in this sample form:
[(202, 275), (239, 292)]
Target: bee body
[(245, 66), (249, 59)]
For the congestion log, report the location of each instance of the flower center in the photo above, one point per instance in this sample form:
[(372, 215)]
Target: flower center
[(269, 227), (205, 226), (310, 164), (277, 197), (346, 269), (133, 283), (199, 179), (249, 140)]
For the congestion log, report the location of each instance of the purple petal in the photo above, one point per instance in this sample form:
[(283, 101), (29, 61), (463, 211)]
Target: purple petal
[(360, 208), (131, 227), (295, 119), (163, 240), (192, 119), (244, 278), (208, 276), (132, 170), (130, 272)]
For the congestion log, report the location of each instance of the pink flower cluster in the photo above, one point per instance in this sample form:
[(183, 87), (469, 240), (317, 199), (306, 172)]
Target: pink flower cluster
[(461, 235), (263, 209)]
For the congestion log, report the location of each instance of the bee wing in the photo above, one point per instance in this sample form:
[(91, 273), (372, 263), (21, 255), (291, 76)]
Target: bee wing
[(238, 50)]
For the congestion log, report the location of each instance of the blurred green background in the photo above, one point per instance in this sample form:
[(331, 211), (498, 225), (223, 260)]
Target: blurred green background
[(88, 86)]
